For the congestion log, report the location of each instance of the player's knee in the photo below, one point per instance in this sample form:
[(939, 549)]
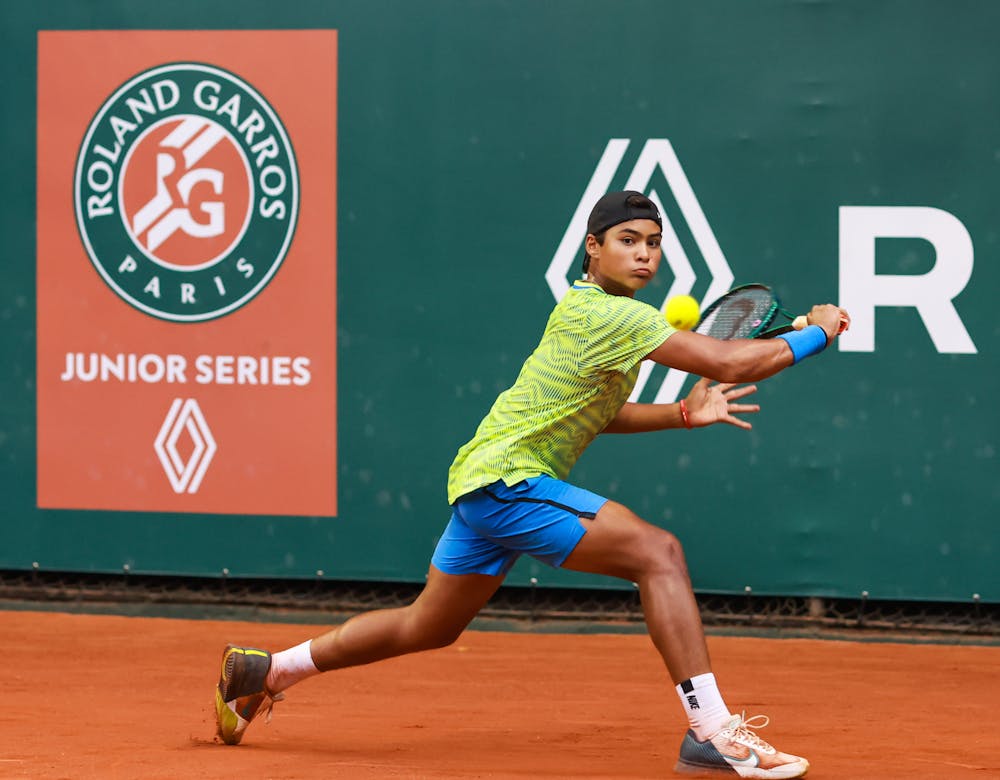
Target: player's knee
[(664, 554)]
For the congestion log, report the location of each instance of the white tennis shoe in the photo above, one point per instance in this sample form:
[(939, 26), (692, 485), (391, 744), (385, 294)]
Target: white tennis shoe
[(736, 748)]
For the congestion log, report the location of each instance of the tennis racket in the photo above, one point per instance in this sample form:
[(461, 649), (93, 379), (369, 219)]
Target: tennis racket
[(749, 312)]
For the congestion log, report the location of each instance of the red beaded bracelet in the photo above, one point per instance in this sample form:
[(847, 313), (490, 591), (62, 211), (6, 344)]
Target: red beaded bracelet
[(684, 414)]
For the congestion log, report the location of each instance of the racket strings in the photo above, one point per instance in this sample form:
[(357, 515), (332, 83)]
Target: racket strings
[(740, 314)]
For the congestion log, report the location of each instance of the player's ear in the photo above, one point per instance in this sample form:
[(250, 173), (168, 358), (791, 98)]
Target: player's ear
[(590, 244)]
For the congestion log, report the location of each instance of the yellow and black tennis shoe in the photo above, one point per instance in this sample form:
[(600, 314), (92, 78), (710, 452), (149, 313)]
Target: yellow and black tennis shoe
[(241, 694)]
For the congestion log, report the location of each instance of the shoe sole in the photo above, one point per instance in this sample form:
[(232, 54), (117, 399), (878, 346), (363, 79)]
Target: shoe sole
[(227, 721), (700, 770)]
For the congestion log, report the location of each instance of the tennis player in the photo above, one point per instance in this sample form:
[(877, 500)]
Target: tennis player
[(509, 495)]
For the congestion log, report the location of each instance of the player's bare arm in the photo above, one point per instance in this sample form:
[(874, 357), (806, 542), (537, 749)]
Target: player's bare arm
[(706, 404), (742, 360), (745, 360)]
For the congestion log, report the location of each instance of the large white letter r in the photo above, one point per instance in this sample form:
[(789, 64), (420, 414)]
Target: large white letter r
[(861, 289)]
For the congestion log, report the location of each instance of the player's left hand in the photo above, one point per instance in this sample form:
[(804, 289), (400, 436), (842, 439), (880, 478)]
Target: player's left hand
[(708, 404)]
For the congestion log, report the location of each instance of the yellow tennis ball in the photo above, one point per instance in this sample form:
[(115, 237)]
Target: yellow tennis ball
[(682, 312)]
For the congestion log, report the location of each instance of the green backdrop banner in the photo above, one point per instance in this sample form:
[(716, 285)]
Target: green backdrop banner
[(359, 215)]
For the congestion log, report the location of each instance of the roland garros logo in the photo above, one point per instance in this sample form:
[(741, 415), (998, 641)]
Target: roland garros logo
[(186, 192)]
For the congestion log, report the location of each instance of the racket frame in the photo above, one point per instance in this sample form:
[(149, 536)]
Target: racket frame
[(763, 329)]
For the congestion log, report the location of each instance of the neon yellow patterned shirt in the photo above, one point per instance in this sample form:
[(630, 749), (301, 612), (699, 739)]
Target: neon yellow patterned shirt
[(569, 389)]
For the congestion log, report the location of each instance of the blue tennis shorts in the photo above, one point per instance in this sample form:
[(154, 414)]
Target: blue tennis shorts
[(492, 527)]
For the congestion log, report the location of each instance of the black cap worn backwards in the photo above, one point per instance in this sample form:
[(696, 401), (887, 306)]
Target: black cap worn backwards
[(617, 207)]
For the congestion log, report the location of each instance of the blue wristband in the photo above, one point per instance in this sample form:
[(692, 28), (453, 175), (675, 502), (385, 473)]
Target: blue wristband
[(808, 341)]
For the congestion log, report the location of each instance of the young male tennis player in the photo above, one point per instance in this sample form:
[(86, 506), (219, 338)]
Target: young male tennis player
[(509, 496)]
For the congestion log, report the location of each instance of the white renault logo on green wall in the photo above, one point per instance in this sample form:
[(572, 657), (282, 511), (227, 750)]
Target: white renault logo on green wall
[(656, 154)]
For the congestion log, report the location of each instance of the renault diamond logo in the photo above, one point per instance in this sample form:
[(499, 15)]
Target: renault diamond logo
[(656, 153), (185, 416)]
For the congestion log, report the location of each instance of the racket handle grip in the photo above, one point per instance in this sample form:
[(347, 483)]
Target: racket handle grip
[(800, 322)]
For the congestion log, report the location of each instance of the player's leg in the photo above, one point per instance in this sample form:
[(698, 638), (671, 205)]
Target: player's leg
[(444, 608), (465, 572), (252, 680), (619, 543)]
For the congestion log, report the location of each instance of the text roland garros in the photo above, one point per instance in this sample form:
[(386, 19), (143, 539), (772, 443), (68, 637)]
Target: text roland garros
[(186, 192)]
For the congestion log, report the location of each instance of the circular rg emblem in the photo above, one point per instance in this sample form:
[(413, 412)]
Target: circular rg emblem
[(186, 192)]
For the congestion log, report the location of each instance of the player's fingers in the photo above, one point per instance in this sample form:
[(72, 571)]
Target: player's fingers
[(739, 423), (735, 393), (744, 408)]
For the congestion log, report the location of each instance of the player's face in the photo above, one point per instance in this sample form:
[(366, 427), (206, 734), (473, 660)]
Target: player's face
[(629, 258)]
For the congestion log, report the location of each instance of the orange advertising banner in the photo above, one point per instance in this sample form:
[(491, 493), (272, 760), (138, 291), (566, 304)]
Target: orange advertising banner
[(187, 271)]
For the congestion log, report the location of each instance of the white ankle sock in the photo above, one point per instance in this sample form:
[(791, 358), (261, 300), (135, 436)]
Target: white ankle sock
[(289, 667), (706, 711)]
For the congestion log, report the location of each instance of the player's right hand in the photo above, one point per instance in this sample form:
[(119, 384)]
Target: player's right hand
[(830, 318)]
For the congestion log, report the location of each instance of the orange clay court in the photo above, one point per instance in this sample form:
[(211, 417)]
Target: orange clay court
[(90, 696)]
